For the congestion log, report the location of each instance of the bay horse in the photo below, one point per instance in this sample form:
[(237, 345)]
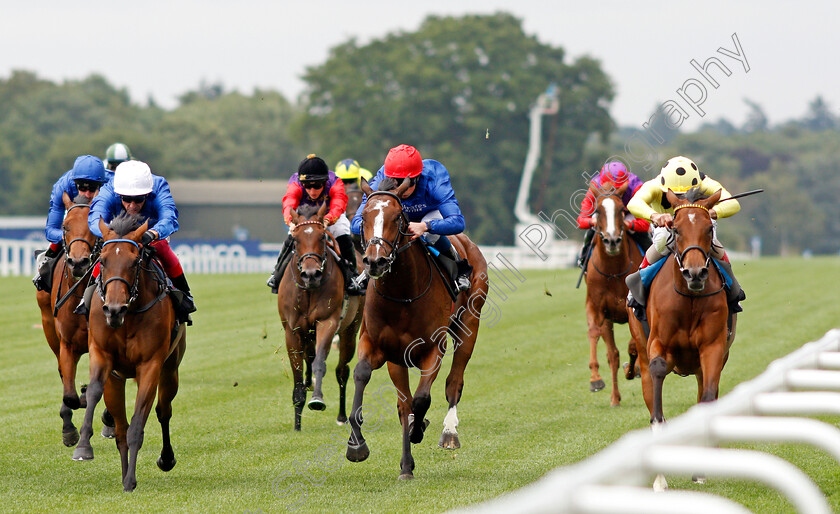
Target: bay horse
[(132, 335), (312, 309), (407, 315), (686, 308), (613, 256), (66, 332)]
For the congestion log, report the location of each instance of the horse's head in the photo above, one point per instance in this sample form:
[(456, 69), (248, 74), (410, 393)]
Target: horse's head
[(79, 241), (609, 216), (354, 198), (310, 236), (693, 230), (120, 265), (383, 225)]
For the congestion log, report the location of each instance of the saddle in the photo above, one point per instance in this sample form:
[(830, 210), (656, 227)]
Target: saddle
[(446, 268)]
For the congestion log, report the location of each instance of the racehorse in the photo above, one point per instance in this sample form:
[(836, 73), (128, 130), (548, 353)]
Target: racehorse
[(312, 308), (132, 335), (354, 200), (613, 257), (66, 332), (407, 315), (686, 308)]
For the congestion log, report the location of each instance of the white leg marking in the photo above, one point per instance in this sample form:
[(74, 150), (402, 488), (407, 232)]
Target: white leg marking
[(450, 422)]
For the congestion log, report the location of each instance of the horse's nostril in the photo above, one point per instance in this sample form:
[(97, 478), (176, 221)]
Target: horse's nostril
[(704, 273), (366, 261)]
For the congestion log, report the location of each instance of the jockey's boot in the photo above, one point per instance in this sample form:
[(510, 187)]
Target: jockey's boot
[(280, 268), (584, 251), (44, 264), (462, 279), (348, 255), (84, 306), (734, 294), (187, 304)]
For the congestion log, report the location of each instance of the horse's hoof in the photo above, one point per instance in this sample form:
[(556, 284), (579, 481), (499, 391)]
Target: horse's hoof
[(166, 465), (70, 438), (416, 436), (357, 453), (627, 374), (406, 476), (449, 441), (107, 432), (130, 487), (81, 453), (316, 404), (596, 386), (698, 479)]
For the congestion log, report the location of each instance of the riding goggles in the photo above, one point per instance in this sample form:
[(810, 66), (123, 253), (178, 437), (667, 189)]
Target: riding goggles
[(86, 185), (133, 199), (312, 184)]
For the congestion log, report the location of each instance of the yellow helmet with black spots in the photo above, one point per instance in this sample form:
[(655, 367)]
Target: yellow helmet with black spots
[(679, 175)]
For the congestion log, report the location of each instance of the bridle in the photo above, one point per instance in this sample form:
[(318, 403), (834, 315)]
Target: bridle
[(133, 288), (396, 247), (680, 256), (94, 255), (320, 258), (94, 248), (621, 233)]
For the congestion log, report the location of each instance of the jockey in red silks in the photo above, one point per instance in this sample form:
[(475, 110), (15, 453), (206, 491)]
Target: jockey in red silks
[(314, 184), (136, 191), (615, 174)]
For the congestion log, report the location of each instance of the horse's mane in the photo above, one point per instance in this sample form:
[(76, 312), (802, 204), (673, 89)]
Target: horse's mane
[(694, 194), (387, 184), (307, 210), (125, 223), (81, 200)]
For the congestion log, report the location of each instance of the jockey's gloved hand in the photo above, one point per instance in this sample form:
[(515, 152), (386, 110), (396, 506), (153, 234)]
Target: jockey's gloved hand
[(148, 237)]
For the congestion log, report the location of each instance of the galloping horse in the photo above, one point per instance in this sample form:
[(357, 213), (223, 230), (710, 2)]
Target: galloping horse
[(132, 321), (687, 310), (312, 309), (407, 314), (613, 257), (66, 332)]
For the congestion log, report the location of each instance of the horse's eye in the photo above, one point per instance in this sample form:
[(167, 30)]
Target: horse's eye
[(64, 228)]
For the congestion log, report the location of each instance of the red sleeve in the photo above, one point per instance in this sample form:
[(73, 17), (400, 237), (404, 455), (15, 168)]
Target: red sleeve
[(640, 225), (587, 209), (291, 200), (338, 201)]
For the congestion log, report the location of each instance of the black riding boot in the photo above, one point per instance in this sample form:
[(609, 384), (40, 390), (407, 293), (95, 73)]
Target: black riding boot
[(187, 304), (44, 263), (584, 251), (282, 261), (462, 280), (348, 254)]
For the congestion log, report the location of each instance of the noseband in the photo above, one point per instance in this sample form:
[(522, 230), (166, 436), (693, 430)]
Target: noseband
[(320, 258), (94, 248), (132, 288), (680, 256), (396, 249)]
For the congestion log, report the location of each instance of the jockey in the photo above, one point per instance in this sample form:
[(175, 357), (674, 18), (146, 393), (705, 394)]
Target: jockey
[(429, 204), (315, 184), (614, 174), (349, 171), (85, 179), (679, 175), (136, 191), (114, 155)]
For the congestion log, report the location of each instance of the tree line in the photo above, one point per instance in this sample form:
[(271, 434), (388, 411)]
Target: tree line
[(459, 89)]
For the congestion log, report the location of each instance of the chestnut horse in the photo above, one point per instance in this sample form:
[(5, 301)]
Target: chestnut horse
[(132, 321), (311, 305), (613, 257), (407, 314), (66, 332), (686, 308)]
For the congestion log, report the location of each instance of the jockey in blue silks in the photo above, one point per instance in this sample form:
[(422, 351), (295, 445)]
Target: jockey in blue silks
[(429, 204), (85, 179)]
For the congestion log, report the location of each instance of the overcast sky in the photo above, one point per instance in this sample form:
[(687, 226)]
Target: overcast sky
[(164, 49)]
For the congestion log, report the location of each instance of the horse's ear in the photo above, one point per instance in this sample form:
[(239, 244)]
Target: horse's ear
[(295, 217), (107, 233), (68, 202), (406, 183), (366, 189), (673, 199), (322, 211), (622, 189), (712, 200), (594, 190), (137, 234)]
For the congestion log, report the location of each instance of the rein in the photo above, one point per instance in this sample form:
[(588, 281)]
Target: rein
[(620, 239), (320, 258), (94, 256), (678, 257), (397, 249), (133, 288)]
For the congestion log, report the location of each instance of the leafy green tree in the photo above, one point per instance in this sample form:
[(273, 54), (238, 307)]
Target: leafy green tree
[(819, 116), (459, 89)]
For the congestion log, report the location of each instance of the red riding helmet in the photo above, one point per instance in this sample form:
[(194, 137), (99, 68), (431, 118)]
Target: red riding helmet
[(614, 172), (403, 161)]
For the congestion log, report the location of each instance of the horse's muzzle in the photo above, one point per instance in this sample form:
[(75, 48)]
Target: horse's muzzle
[(695, 278), (311, 279), (377, 267), (115, 314), (78, 267)]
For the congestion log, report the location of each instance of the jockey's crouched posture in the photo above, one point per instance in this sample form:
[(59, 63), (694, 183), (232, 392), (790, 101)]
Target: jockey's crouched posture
[(85, 179), (136, 191), (679, 175), (315, 184), (429, 204), (613, 174)]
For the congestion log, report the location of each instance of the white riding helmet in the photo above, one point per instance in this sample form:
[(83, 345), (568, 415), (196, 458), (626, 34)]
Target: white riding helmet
[(133, 178)]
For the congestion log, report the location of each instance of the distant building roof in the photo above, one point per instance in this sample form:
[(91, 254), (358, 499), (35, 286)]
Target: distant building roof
[(228, 192)]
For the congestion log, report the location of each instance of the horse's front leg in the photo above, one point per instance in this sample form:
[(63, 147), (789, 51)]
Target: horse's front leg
[(613, 359), (399, 376), (594, 320), (369, 359), (324, 332), (67, 364), (115, 400), (712, 358), (658, 368), (148, 376), (295, 350), (429, 367), (100, 367), (346, 348)]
